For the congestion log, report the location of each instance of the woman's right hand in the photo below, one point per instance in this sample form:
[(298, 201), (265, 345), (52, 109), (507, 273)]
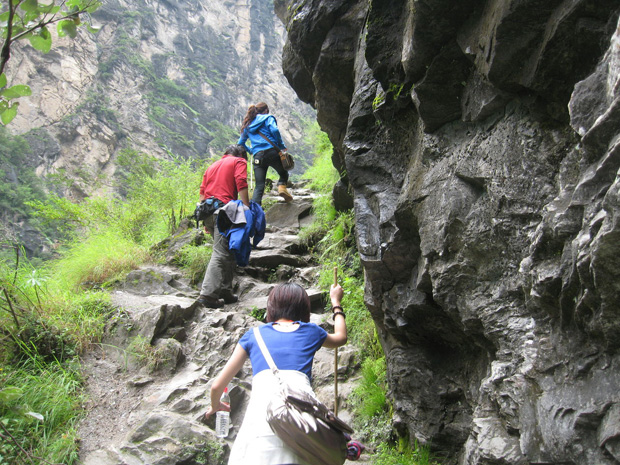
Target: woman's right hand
[(335, 293), (221, 407)]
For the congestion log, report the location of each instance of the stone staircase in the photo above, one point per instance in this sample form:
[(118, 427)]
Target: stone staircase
[(139, 416)]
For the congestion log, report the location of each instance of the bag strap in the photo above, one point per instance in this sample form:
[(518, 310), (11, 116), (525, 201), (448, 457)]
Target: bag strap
[(272, 144), (265, 352)]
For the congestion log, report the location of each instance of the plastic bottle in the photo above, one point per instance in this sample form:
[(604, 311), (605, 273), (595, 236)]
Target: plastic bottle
[(222, 419)]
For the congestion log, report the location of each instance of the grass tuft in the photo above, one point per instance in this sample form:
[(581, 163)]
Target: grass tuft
[(41, 413)]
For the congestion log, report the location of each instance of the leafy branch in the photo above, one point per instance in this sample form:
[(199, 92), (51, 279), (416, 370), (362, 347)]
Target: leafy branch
[(29, 19)]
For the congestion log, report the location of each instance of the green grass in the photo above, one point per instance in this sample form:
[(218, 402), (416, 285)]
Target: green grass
[(258, 313), (193, 260), (418, 455), (38, 405), (98, 261), (50, 314), (372, 389)]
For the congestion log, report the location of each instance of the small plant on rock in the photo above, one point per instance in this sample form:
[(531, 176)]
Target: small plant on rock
[(258, 313), (194, 260), (148, 355)]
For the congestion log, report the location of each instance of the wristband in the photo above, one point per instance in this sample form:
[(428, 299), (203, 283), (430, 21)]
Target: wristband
[(340, 313), (337, 307)]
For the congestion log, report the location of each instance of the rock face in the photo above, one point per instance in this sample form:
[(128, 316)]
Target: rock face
[(481, 141), (161, 77)]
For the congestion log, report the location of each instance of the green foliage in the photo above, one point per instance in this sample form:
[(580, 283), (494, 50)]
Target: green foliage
[(8, 110), (18, 181), (371, 392), (378, 100), (336, 248), (98, 103), (170, 192), (193, 260), (44, 320), (322, 176), (159, 194), (418, 455), (132, 167), (38, 402), (209, 453), (98, 260), (258, 313), (222, 136), (31, 20), (81, 314)]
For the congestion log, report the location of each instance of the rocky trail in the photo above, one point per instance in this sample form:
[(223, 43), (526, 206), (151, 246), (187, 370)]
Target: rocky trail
[(137, 415)]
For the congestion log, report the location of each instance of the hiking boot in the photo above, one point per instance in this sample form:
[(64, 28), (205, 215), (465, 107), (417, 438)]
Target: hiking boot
[(283, 192), (229, 297), (210, 302)]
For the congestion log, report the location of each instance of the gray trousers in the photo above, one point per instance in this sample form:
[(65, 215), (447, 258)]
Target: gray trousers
[(218, 278)]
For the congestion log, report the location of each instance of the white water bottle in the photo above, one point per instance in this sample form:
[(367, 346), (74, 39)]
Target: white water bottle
[(222, 419)]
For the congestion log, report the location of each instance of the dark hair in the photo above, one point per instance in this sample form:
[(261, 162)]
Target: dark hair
[(259, 108), (236, 150), (288, 301)]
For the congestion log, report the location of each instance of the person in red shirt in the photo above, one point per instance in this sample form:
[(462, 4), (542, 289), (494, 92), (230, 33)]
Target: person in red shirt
[(225, 180)]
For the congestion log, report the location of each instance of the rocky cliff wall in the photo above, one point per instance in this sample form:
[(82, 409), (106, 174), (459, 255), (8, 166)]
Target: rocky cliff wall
[(161, 77), (481, 143)]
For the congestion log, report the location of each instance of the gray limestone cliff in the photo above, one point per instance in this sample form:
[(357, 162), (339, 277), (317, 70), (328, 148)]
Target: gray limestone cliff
[(480, 141), (160, 77)]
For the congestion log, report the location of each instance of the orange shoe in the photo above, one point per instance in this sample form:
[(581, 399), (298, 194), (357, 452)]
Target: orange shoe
[(283, 192)]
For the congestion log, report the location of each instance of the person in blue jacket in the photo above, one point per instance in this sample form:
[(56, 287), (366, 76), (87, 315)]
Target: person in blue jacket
[(257, 125)]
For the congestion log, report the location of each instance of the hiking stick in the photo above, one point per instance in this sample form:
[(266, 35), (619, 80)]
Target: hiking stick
[(335, 357), (252, 175)]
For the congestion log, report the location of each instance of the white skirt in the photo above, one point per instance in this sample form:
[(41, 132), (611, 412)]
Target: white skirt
[(256, 443)]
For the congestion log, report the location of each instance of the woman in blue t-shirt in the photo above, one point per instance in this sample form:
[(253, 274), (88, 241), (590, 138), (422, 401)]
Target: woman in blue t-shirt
[(292, 341), (261, 129)]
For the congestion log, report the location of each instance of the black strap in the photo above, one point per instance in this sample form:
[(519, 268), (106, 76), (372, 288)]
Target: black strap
[(272, 144)]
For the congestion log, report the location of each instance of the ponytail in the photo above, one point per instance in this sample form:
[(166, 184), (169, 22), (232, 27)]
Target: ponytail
[(253, 110)]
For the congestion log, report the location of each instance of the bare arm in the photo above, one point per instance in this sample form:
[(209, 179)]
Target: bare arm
[(243, 193), (339, 338), (232, 367)]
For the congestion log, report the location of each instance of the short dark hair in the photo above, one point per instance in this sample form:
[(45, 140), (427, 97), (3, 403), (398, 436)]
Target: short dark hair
[(236, 150), (289, 301)]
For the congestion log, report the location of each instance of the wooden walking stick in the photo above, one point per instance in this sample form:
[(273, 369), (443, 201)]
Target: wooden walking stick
[(335, 356)]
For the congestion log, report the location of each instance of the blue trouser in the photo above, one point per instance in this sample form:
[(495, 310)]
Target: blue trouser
[(271, 157)]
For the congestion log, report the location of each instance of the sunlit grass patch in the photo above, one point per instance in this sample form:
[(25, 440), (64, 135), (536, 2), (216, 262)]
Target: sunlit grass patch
[(98, 260)]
